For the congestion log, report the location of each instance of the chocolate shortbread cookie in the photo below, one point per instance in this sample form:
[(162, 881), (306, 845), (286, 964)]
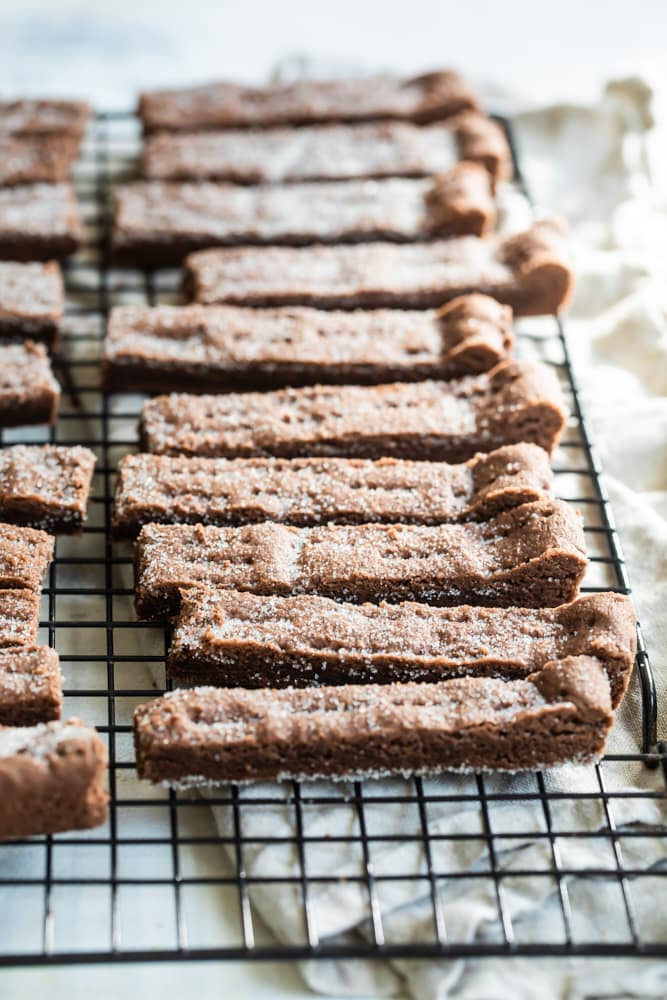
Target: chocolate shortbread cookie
[(529, 271), (30, 685), (51, 779), (36, 159), (311, 491), (38, 222), (426, 98), (29, 393), (173, 348), (531, 556), (157, 222), (227, 638), (32, 301), (434, 421), (25, 556), (19, 617), (46, 486), (561, 713), (43, 118), (328, 152)]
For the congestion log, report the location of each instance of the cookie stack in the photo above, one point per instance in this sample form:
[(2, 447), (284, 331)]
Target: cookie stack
[(39, 224), (51, 771), (344, 504)]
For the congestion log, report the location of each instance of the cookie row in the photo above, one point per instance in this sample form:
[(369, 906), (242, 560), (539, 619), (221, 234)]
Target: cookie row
[(267, 520), (30, 682), (39, 141), (39, 221), (51, 772)]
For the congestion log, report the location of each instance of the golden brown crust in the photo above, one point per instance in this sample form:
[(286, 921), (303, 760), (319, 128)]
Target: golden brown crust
[(559, 714)]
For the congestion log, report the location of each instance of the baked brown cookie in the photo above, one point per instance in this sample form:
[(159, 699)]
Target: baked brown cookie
[(311, 491), (328, 152), (561, 713), (32, 301), (531, 556), (29, 393), (36, 159), (38, 222), (51, 779), (46, 486), (25, 556), (529, 271), (426, 98), (228, 638), (30, 685), (43, 117), (158, 222), (431, 421), (19, 617), (216, 348)]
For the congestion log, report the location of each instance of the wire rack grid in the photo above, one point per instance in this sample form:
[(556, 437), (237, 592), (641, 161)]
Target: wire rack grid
[(175, 875)]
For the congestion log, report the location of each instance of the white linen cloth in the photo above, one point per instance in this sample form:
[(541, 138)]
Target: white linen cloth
[(592, 166)]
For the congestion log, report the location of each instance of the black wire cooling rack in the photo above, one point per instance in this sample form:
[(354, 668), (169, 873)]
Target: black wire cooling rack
[(137, 889)]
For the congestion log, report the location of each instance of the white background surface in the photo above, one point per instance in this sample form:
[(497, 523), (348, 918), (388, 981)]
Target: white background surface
[(106, 51)]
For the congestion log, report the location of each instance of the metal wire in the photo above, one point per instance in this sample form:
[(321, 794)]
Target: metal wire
[(192, 859)]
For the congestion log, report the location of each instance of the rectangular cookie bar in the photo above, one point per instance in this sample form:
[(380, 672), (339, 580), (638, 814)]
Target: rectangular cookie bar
[(531, 556), (328, 152), (227, 638), (160, 222), (46, 486), (561, 713), (32, 160), (434, 421), (215, 348), (30, 685), (51, 779), (29, 393), (32, 301), (46, 117), (19, 617), (529, 271), (25, 556), (311, 491), (426, 98), (38, 222)]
